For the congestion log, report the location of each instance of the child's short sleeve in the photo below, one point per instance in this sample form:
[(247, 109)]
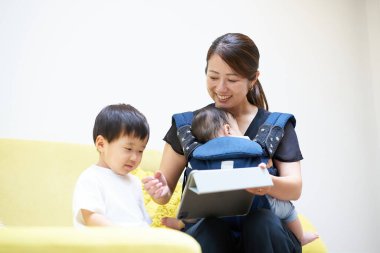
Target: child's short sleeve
[(87, 195)]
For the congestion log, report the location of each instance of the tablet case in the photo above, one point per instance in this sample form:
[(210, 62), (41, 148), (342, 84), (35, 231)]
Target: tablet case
[(221, 192)]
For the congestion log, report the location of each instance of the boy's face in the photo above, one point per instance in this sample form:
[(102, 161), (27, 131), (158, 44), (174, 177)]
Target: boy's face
[(121, 155)]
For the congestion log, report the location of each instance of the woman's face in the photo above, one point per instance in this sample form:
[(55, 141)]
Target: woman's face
[(224, 85)]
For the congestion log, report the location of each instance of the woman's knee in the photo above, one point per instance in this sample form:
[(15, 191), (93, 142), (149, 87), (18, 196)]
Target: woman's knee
[(261, 221), (263, 231), (209, 227), (213, 235)]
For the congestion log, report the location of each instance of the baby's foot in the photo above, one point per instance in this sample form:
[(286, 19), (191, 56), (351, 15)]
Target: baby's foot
[(172, 223), (308, 237)]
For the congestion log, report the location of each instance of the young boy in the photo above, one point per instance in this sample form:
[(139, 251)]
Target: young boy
[(210, 123), (106, 194)]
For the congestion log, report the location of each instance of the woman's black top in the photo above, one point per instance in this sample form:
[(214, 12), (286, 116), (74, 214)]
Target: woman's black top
[(287, 151)]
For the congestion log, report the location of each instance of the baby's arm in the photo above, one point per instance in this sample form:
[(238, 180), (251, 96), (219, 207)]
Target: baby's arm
[(94, 219)]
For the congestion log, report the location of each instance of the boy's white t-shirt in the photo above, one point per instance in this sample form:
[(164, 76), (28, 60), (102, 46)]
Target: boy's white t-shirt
[(119, 198)]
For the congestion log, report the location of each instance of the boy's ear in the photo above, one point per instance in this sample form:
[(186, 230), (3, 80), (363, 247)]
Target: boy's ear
[(100, 142)]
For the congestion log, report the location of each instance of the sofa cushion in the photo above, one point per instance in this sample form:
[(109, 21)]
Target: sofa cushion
[(37, 180), (95, 240)]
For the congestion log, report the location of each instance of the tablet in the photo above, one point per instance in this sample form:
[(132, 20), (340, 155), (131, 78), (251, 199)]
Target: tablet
[(221, 192)]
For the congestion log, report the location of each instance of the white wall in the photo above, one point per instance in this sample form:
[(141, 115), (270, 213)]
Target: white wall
[(373, 23), (62, 61)]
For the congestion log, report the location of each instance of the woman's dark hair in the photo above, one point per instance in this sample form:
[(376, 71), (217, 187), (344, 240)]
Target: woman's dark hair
[(208, 122), (242, 55), (118, 120)]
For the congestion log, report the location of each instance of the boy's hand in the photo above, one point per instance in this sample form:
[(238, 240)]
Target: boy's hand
[(156, 185)]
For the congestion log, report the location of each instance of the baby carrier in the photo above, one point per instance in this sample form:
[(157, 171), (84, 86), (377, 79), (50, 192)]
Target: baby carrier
[(228, 152)]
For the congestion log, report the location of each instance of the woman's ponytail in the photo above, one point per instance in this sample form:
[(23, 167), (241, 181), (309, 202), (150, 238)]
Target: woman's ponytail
[(256, 96)]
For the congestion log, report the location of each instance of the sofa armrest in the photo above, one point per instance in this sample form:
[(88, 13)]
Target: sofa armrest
[(94, 240)]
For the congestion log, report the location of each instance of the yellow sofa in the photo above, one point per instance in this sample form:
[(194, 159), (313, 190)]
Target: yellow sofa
[(36, 184)]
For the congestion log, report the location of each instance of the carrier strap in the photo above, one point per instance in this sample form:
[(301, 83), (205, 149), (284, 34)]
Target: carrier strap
[(271, 132), (182, 119), (186, 138)]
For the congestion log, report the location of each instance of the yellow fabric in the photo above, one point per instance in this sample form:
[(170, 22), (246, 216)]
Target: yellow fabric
[(37, 180), (94, 240), (155, 210), (315, 246)]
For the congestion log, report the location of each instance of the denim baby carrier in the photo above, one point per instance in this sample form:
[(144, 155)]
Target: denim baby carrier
[(229, 152)]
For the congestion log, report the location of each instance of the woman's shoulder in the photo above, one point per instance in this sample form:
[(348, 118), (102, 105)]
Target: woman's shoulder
[(185, 118), (262, 116), (171, 136), (259, 119)]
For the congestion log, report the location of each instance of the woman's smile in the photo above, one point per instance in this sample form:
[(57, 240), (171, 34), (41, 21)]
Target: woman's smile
[(223, 98)]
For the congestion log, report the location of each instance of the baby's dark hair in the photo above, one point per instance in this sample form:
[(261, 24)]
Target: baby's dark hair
[(118, 120), (208, 122)]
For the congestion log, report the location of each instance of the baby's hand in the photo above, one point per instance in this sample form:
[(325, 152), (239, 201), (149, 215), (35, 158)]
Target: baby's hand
[(156, 185)]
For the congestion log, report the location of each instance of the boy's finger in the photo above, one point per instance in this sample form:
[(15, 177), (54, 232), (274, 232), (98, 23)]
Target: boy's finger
[(151, 183), (147, 179)]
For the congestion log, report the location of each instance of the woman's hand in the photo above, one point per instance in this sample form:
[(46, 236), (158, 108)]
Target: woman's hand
[(287, 186), (260, 190), (157, 186)]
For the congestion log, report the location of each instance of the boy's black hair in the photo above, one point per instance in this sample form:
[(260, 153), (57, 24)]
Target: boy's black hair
[(118, 120)]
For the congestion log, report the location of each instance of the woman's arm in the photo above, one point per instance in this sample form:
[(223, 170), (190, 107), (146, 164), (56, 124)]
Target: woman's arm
[(288, 185), (172, 165), (163, 183)]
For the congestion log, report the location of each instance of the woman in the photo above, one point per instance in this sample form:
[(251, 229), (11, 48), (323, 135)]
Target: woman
[(232, 83)]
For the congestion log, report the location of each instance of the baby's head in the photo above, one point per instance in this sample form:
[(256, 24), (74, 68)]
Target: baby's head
[(211, 122), (120, 135)]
